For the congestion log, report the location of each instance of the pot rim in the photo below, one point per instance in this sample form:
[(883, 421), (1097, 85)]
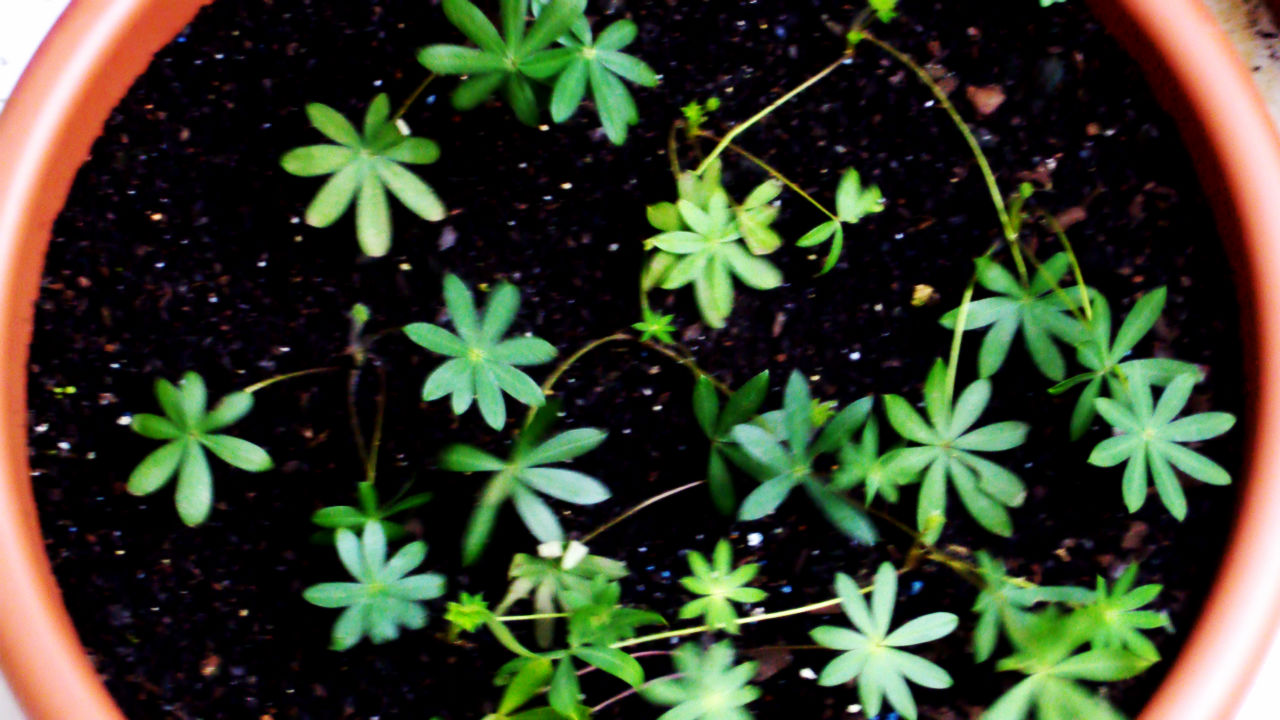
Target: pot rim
[(97, 49)]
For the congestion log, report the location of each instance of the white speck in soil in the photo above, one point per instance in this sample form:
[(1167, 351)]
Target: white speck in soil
[(124, 420), (755, 539), (808, 674), (855, 356)]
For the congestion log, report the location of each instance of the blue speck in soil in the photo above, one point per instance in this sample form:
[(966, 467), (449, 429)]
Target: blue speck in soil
[(665, 574), (916, 587), (786, 589)]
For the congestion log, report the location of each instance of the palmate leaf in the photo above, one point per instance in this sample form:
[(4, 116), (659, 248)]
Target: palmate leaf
[(508, 62), (523, 477), (484, 365), (871, 653), (741, 407), (1105, 361), (1115, 620), (853, 203), (785, 461), (188, 427), (558, 570), (699, 244), (1041, 312), (599, 64), (948, 453), (384, 597), (707, 686), (719, 585), (1150, 442), (365, 166)]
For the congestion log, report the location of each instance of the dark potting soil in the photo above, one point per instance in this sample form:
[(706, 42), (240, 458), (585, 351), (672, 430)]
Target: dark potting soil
[(182, 247)]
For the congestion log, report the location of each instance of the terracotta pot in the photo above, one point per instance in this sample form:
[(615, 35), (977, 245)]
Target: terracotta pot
[(99, 47)]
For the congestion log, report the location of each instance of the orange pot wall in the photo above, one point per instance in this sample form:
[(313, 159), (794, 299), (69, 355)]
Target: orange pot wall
[(99, 47)]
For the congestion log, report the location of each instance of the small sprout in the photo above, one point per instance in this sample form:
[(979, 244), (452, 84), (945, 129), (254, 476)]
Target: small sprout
[(190, 430), (1114, 618), (559, 570), (1105, 358), (371, 510), (863, 464), (523, 475), (597, 618), (384, 597), (871, 651), (742, 405), (483, 365), (720, 585), (1041, 313), (656, 325), (508, 61), (948, 450), (696, 113), (886, 11), (468, 613), (364, 166), (1150, 442), (708, 687), (785, 461), (853, 203), (698, 245), (600, 64)]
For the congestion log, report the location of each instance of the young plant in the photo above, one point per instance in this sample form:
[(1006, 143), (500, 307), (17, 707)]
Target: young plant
[(522, 476), (508, 61), (1042, 313), (1149, 442), (862, 463), (1002, 603), (707, 685), (601, 64), (654, 325), (719, 586), (741, 406), (699, 244), (786, 461), (384, 597), (1104, 357), (871, 652), (558, 570), (853, 202), (364, 166), (1114, 617), (948, 450), (370, 509), (189, 429), (483, 365)]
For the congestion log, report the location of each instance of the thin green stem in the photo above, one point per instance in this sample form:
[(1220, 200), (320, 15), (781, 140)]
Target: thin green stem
[(563, 367), (375, 442), (535, 616), (1006, 222), (288, 376), (632, 691), (743, 621), (417, 93), (759, 162), (353, 414), (741, 127), (957, 336), (673, 148), (632, 511), (1057, 229)]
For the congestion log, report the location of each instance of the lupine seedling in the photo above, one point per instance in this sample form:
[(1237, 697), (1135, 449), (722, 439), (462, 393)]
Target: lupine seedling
[(558, 570), (1040, 313), (1004, 604), (510, 61), (364, 167), (370, 510), (948, 450), (863, 464), (699, 245), (719, 585), (655, 326), (708, 686), (522, 476), (1114, 617), (786, 462), (189, 429), (1104, 357), (853, 203), (870, 652), (600, 64), (384, 597), (717, 425), (484, 365), (1150, 442)]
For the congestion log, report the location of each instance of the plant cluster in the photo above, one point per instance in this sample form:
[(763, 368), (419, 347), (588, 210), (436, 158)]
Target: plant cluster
[(840, 454)]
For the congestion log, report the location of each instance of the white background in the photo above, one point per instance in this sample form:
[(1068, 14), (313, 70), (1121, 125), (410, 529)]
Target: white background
[(23, 23)]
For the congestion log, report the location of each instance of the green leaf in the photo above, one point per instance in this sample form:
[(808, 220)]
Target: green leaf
[(333, 125), (465, 458), (373, 217), (195, 485), (923, 629), (615, 662), (755, 272), (314, 160), (766, 498), (533, 676), (413, 151), (564, 691), (240, 453), (567, 485), (570, 88), (565, 446), (156, 427), (537, 516), (335, 196), (436, 339), (552, 23), (471, 21), (410, 190), (818, 235), (1139, 322), (628, 66), (226, 412), (157, 468), (524, 351), (459, 60)]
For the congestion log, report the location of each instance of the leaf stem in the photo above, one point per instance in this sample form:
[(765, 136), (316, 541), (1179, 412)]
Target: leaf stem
[(413, 97), (988, 176), (957, 337), (536, 616), (632, 511), (741, 127), (1057, 229), (742, 621), (288, 376), (632, 691), (775, 173)]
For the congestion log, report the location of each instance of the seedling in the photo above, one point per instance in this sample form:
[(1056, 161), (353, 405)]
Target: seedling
[(707, 685), (484, 365), (600, 64), (741, 407), (190, 429), (720, 585), (364, 166), (384, 597), (871, 652)]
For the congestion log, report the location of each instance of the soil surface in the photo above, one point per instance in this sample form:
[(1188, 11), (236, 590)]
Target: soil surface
[(182, 247)]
